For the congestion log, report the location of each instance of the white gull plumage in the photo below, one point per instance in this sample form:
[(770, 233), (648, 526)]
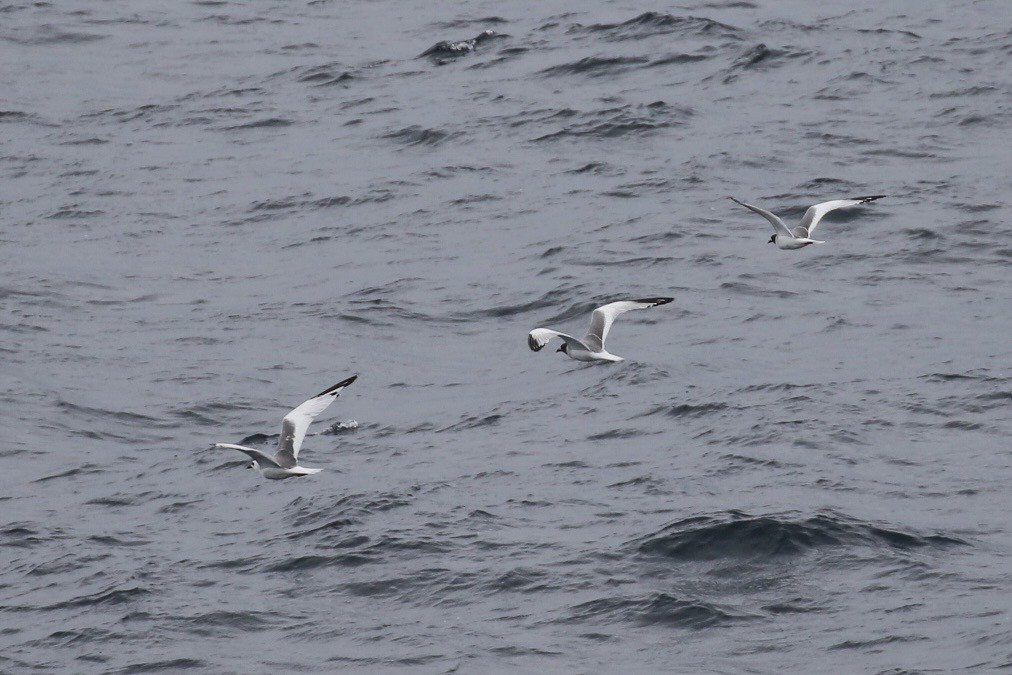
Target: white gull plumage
[(591, 347), (285, 462), (800, 236)]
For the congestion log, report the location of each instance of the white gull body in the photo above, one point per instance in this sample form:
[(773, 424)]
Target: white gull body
[(801, 236), (285, 462), (591, 347)]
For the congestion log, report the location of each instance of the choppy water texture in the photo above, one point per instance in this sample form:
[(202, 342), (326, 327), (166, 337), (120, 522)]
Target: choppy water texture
[(212, 210)]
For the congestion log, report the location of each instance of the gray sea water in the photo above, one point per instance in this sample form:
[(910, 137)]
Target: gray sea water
[(213, 210)]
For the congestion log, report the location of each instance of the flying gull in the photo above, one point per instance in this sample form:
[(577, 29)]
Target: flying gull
[(591, 347), (800, 236), (285, 462)]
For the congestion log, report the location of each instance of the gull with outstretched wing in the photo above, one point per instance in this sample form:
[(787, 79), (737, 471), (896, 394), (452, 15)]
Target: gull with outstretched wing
[(285, 462), (801, 236), (591, 346)]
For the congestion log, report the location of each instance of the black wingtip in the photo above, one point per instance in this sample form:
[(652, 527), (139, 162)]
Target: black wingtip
[(870, 198), (655, 301), (336, 389), (533, 344)]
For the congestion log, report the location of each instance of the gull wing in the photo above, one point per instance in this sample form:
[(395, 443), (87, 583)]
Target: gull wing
[(539, 337), (296, 423), (253, 453), (774, 219), (815, 213), (602, 318)]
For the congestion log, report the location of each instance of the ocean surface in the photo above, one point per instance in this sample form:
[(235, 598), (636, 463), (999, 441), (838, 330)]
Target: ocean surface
[(210, 211)]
